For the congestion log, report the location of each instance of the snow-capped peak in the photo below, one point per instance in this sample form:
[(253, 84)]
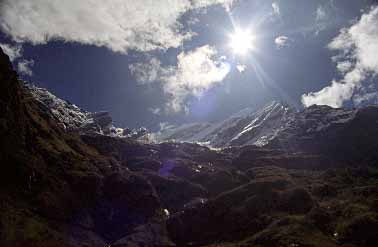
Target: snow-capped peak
[(259, 127), (72, 118)]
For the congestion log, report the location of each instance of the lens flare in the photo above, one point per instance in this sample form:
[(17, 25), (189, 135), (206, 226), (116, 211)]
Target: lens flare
[(242, 41)]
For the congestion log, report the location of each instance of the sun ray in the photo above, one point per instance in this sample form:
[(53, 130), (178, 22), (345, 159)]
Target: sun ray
[(242, 41)]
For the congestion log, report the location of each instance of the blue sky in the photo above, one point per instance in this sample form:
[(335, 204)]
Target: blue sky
[(149, 62)]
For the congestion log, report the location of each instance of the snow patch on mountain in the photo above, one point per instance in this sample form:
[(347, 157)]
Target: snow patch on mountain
[(72, 118), (259, 127), (274, 122)]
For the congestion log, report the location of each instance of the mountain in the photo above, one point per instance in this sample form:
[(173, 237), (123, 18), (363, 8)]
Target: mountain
[(72, 118), (318, 129), (244, 128), (332, 136), (260, 127), (68, 180)]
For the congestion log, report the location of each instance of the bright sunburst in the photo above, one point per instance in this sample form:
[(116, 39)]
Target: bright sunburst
[(242, 41)]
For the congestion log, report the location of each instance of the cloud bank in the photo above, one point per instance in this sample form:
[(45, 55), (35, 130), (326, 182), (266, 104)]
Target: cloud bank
[(196, 72), (119, 25), (357, 61)]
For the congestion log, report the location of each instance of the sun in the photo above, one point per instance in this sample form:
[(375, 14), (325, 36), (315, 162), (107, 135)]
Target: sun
[(242, 41)]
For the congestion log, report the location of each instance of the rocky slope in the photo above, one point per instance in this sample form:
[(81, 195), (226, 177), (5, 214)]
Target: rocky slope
[(72, 118), (262, 127), (65, 185), (244, 128)]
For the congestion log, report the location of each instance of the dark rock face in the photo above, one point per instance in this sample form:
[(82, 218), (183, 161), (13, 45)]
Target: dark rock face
[(314, 184), (12, 116)]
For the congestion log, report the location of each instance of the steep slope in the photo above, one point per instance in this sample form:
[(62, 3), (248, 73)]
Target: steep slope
[(348, 136), (73, 119), (246, 127)]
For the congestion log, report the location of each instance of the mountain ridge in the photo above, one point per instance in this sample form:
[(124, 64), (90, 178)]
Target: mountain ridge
[(73, 118), (257, 127)]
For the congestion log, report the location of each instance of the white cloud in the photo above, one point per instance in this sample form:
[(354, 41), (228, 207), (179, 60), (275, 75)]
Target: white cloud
[(23, 67), (344, 66), (196, 72), (357, 61), (321, 13), (333, 95), (120, 25), (14, 52), (282, 41), (146, 72), (155, 111), (366, 98), (241, 68), (276, 8), (323, 17)]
